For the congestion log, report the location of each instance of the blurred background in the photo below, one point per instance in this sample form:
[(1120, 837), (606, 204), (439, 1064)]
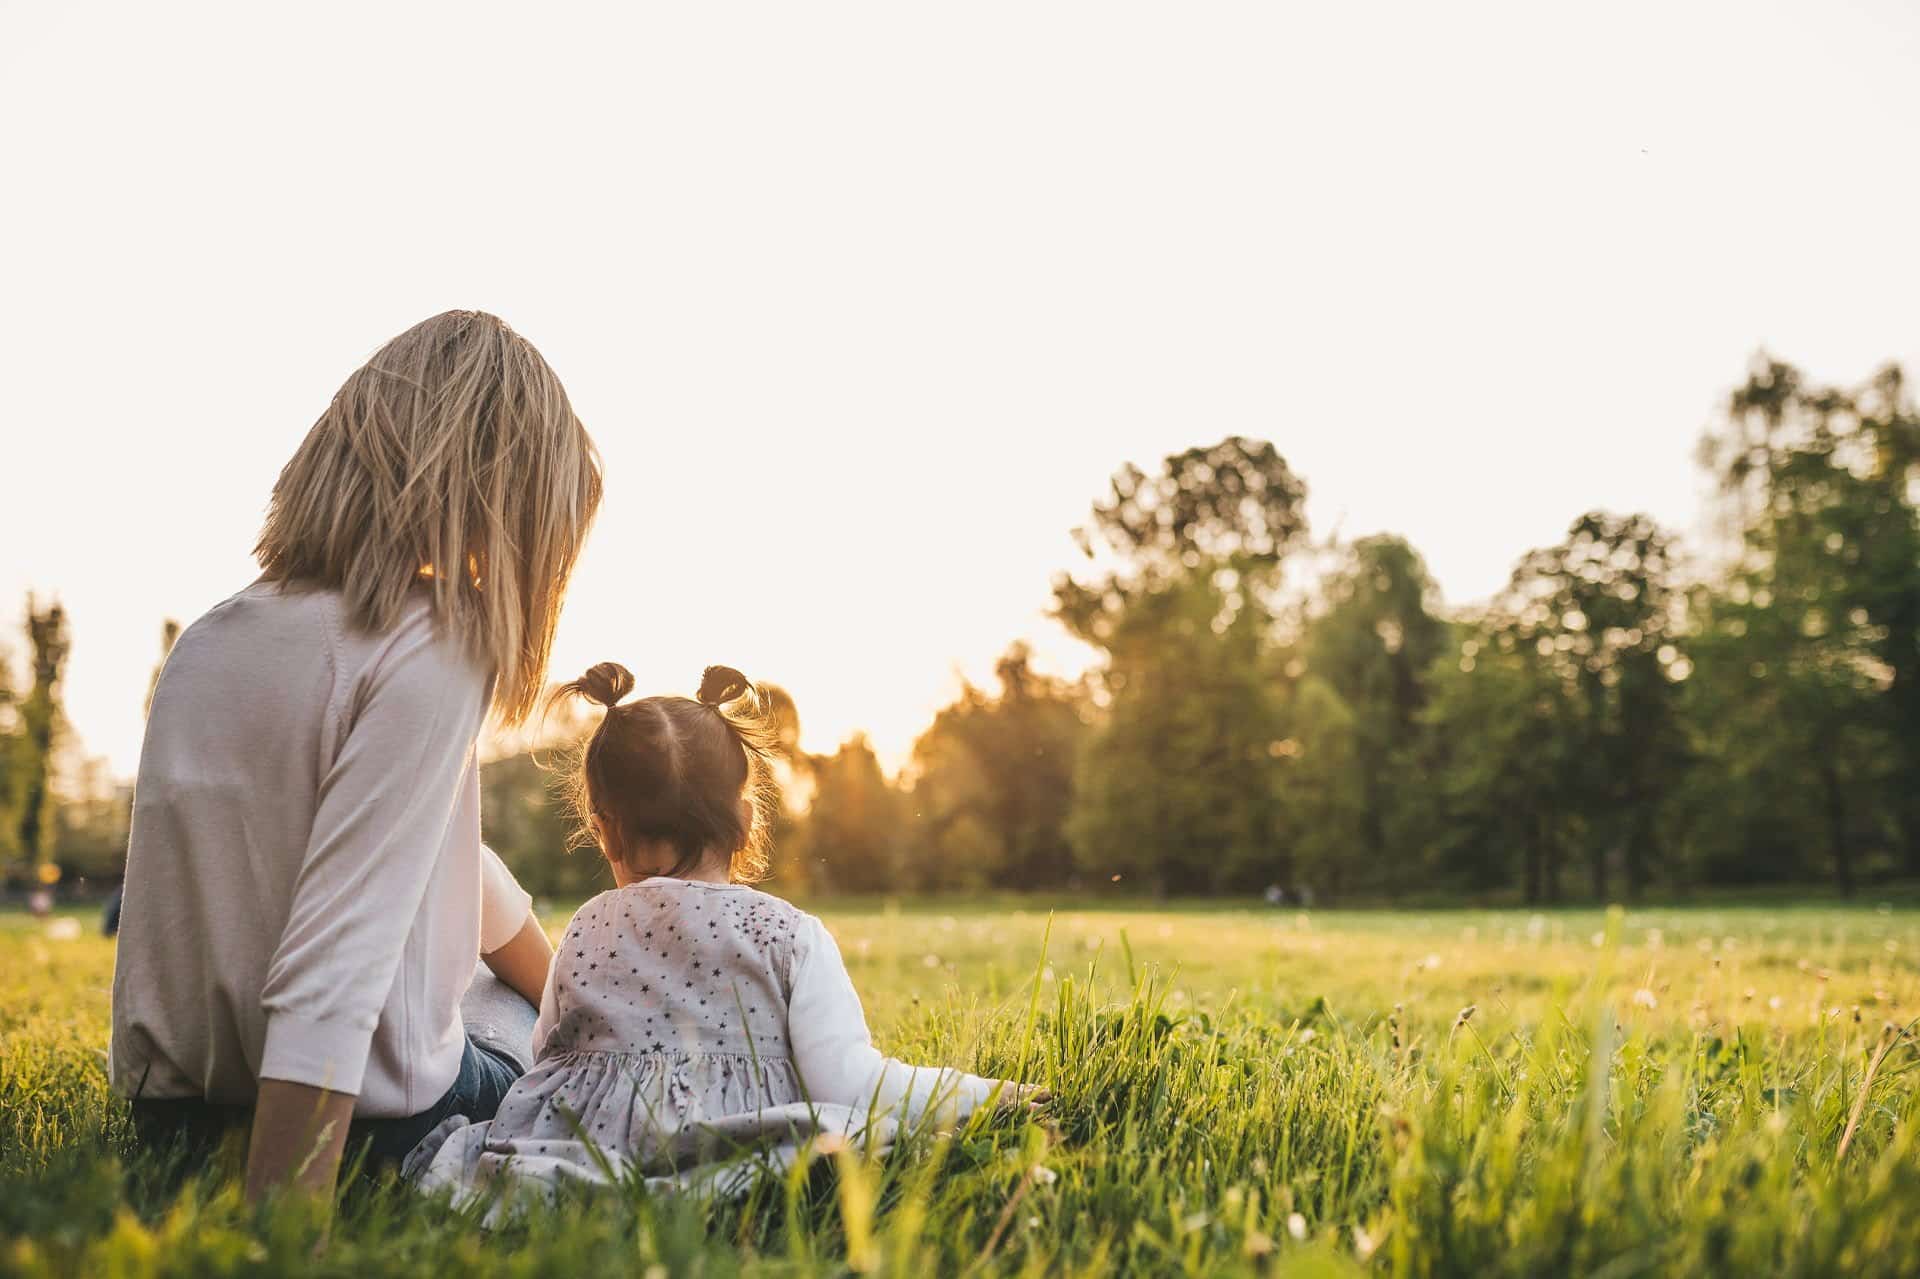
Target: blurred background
[(1409, 454)]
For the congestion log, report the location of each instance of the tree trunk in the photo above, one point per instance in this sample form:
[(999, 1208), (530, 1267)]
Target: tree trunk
[(1549, 860), (1837, 826), (1639, 835)]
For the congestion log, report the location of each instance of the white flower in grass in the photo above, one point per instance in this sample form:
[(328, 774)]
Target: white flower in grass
[(1043, 1175), (1774, 1003), (1296, 1225), (1365, 1243), (1643, 998)]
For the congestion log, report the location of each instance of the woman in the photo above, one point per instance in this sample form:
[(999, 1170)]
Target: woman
[(306, 889)]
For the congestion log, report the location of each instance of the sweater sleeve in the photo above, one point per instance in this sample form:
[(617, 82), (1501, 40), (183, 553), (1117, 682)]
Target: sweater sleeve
[(834, 1051), (379, 827), (504, 905), (549, 1015)]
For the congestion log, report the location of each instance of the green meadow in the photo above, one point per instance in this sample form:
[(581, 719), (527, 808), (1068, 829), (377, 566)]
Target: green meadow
[(1238, 1091)]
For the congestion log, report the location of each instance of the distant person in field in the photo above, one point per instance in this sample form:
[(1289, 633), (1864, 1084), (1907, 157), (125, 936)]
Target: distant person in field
[(693, 1027), (307, 898)]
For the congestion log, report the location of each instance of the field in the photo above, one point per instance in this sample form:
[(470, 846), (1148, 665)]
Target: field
[(1710, 1090)]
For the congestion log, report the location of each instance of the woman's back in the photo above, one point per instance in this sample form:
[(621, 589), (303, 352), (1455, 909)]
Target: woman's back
[(242, 882)]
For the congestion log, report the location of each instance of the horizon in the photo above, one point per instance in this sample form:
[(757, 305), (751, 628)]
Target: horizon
[(858, 371)]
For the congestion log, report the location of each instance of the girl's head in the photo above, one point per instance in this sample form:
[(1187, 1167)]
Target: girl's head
[(675, 786), (451, 459)]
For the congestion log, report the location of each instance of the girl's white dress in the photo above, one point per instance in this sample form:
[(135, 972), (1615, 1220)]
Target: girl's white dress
[(692, 1034)]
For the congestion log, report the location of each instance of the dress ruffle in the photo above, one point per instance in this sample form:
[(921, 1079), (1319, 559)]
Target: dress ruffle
[(677, 1120)]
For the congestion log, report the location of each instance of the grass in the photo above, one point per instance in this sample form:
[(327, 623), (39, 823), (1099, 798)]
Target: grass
[(1239, 1091)]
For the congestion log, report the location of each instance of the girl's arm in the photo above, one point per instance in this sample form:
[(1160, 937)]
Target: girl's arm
[(835, 1054), (549, 1004)]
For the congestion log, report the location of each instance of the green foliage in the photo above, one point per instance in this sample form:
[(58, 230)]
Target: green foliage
[(1812, 649), (993, 780), (1366, 656), (1238, 1092), (40, 720), (852, 841), (1599, 609), (1178, 787), (522, 819), (1502, 766)]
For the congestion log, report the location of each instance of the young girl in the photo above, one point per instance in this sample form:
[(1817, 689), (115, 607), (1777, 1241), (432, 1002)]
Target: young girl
[(688, 1017)]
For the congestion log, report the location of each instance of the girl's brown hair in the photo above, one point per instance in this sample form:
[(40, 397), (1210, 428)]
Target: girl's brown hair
[(674, 770), (451, 460)]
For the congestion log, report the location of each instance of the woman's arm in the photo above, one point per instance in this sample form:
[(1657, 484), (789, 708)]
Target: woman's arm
[(512, 942), (523, 962), (836, 1057), (298, 1134), (378, 828)]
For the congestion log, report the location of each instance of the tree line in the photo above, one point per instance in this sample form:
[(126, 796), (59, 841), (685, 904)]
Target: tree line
[(1620, 720), (1269, 713)]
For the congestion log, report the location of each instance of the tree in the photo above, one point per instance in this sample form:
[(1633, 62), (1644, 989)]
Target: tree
[(1505, 763), (993, 782), (1818, 628), (1599, 608), (14, 757), (169, 636), (40, 716), (1178, 783), (1371, 647), (1324, 796), (1234, 507), (853, 837)]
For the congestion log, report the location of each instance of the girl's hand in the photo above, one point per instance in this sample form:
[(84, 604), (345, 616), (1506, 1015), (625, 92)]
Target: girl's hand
[(1027, 1097)]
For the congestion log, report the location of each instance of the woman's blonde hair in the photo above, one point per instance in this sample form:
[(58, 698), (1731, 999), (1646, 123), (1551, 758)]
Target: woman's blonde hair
[(451, 461)]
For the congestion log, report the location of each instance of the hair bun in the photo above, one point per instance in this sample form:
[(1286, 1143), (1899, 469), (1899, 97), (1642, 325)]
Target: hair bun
[(606, 683), (722, 684)]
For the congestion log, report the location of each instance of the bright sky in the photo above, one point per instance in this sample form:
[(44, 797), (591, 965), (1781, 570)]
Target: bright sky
[(864, 302)]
